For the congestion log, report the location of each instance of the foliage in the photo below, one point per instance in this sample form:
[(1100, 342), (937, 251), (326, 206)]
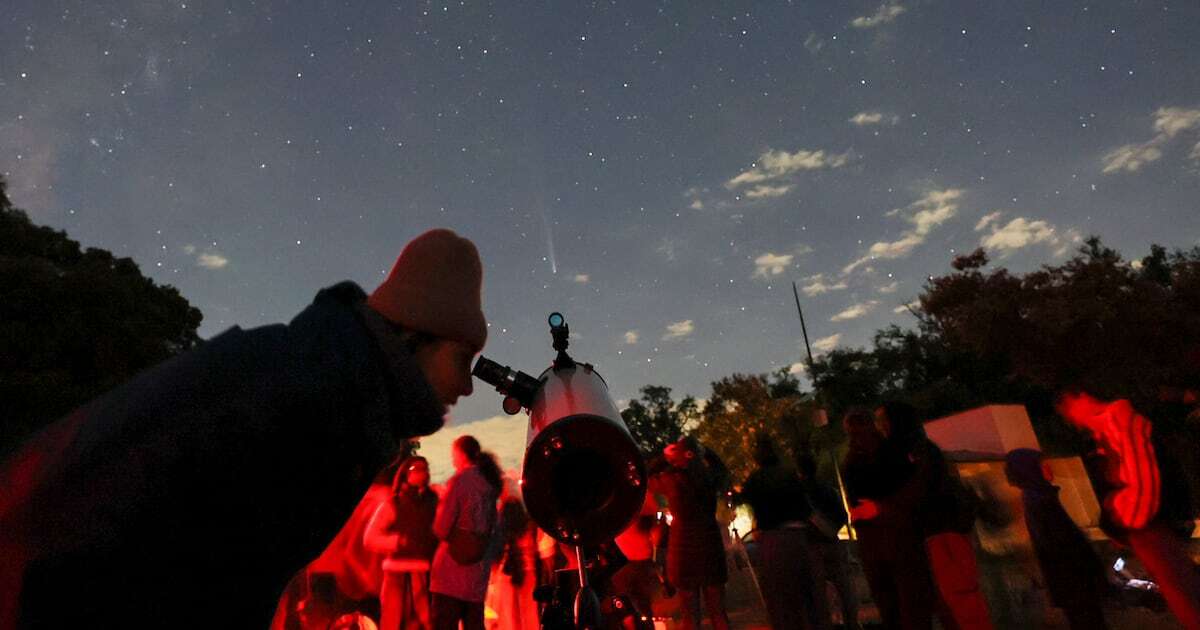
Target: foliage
[(1095, 321), (743, 407), (656, 420), (984, 337), (74, 323)]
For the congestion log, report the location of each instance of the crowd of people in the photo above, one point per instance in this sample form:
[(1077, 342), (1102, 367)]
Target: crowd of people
[(912, 517)]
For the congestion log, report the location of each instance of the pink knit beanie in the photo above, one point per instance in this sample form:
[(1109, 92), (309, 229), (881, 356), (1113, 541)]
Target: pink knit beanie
[(435, 288)]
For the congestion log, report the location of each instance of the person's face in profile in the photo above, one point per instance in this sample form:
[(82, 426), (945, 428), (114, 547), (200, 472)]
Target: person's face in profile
[(446, 365)]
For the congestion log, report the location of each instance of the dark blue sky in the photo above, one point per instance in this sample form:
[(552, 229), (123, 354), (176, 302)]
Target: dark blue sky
[(660, 172)]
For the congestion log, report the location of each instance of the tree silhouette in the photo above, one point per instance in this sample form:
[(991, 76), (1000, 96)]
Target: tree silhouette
[(656, 420), (74, 323), (991, 336), (1118, 329)]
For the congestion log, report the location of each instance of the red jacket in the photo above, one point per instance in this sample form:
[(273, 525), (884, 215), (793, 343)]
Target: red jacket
[(1132, 466)]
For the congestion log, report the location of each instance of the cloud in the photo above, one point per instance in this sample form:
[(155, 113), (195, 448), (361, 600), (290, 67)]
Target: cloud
[(936, 208), (1169, 122), (678, 330), (1070, 238), (856, 311), (814, 43), (1020, 233), (862, 119), (826, 344), (774, 165), (817, 286), (695, 195), (631, 337), (770, 264), (764, 191), (798, 369), (1132, 157), (887, 12), (212, 260), (1017, 234), (931, 210), (906, 308), (667, 247), (987, 220), (502, 435), (890, 288), (582, 278)]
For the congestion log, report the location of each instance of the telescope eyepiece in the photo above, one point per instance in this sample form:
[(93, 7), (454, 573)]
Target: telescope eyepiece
[(514, 384)]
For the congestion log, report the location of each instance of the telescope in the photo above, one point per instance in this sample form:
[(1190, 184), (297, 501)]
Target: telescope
[(583, 479)]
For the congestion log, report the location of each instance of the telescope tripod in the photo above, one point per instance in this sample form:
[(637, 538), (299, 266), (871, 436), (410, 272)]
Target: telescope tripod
[(585, 610)]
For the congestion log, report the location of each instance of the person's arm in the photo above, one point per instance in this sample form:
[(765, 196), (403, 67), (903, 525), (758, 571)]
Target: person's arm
[(377, 535)]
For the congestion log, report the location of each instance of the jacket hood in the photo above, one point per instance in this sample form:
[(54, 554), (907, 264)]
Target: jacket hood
[(412, 407)]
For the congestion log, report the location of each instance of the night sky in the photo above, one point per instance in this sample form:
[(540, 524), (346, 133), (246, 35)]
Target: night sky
[(659, 172)]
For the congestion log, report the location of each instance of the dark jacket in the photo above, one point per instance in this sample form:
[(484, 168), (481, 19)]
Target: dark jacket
[(879, 473), (191, 494), (826, 501), (934, 493), (1070, 567), (776, 494), (415, 509)]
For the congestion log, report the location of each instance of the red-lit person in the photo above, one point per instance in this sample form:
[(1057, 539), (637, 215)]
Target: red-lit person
[(1133, 506), (191, 494), (514, 574), (638, 579), (695, 549), (465, 523), (402, 528)]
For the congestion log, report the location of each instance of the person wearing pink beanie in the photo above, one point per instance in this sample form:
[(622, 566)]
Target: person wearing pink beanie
[(192, 493), (434, 290)]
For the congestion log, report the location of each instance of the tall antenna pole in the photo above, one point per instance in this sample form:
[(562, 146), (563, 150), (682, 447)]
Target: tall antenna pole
[(837, 470), (803, 328)]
